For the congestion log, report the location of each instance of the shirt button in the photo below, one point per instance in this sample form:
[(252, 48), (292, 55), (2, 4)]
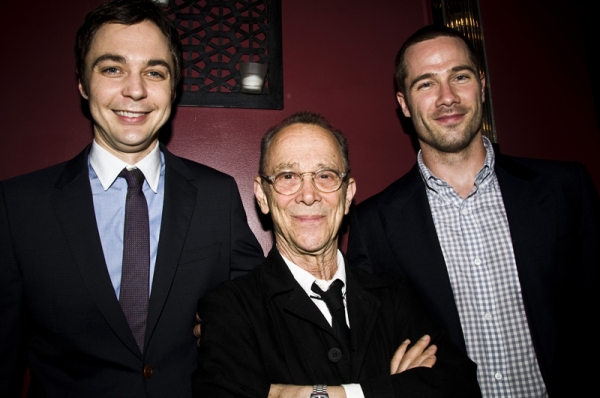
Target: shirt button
[(148, 370), (487, 316), (498, 376), (464, 212), (477, 261)]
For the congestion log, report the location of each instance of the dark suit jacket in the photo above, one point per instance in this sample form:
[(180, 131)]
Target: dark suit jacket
[(553, 214), (263, 328), (57, 300)]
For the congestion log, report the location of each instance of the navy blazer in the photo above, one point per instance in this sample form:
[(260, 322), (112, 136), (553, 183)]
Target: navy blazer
[(58, 309), (262, 328), (553, 213)]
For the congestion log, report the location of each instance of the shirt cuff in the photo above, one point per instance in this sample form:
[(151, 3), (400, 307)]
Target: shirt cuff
[(353, 391)]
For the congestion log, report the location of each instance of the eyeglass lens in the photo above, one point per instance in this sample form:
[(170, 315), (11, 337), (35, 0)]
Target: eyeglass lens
[(325, 181)]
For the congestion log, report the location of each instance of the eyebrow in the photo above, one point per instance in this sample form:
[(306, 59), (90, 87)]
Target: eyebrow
[(291, 166), (120, 59), (424, 76)]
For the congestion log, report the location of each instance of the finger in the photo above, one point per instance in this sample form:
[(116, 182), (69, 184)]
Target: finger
[(395, 362), (424, 359), (429, 362), (413, 353), (198, 318)]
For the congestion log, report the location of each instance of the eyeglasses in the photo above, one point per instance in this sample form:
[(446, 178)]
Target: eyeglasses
[(288, 182)]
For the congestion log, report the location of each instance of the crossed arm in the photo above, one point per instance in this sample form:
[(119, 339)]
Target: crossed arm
[(420, 354)]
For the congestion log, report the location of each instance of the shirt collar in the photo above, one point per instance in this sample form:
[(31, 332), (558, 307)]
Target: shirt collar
[(107, 166), (306, 279)]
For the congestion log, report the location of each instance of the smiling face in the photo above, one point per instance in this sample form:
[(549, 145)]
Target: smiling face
[(443, 95), (307, 222), (129, 72)]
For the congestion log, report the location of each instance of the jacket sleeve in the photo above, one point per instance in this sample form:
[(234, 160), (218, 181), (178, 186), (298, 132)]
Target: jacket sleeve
[(228, 347), (357, 253), (12, 329), (453, 375), (246, 252)]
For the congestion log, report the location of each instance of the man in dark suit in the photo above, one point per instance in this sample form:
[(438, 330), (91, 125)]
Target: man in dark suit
[(273, 333), (503, 250), (63, 250)]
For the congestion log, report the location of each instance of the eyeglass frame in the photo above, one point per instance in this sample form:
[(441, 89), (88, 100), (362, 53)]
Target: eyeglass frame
[(271, 179)]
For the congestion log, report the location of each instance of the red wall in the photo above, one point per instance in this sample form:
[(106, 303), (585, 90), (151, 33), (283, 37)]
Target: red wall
[(338, 60)]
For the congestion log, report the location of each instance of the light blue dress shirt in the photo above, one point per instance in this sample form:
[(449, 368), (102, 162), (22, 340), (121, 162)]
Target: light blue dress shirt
[(109, 195)]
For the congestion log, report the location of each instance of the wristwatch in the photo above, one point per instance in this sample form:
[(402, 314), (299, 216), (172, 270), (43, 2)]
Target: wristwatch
[(319, 391)]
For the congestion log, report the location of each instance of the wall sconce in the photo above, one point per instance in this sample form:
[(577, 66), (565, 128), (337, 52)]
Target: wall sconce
[(253, 76)]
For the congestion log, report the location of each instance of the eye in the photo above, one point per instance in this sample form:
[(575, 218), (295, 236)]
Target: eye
[(424, 85), (157, 75), (326, 175), (287, 176), (111, 70)]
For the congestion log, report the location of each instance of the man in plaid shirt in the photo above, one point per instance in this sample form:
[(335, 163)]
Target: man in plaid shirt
[(504, 250)]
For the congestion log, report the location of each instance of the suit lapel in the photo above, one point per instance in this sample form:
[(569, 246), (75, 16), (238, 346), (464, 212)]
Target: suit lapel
[(527, 201), (411, 232), (178, 207), (279, 281), (74, 208), (363, 311)]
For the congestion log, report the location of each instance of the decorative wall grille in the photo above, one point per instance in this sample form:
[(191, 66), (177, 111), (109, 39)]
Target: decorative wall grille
[(216, 35)]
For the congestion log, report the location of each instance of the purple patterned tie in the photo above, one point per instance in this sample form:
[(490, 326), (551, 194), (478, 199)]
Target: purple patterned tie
[(135, 275)]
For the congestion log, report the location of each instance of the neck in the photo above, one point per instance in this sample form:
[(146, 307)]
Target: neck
[(458, 169), (322, 264)]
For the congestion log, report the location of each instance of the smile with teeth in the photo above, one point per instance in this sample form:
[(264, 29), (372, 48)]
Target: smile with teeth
[(130, 114)]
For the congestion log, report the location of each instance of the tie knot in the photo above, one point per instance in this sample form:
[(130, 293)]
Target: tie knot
[(333, 297), (134, 177)]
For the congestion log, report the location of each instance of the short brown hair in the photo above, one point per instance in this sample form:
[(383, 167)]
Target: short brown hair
[(126, 12), (429, 32)]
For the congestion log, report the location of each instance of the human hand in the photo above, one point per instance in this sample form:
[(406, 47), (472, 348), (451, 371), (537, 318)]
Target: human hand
[(420, 354), (197, 331)]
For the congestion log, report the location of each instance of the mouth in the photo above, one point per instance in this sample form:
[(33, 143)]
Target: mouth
[(309, 218), (450, 119), (131, 117), (129, 114)]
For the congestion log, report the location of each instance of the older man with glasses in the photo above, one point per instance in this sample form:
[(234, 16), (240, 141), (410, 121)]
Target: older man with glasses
[(302, 324)]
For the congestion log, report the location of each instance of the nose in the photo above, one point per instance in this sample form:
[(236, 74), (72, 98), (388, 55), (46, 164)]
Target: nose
[(308, 193), (134, 87), (447, 95)]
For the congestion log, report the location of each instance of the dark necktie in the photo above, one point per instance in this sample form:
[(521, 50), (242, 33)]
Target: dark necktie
[(334, 300), (135, 274)]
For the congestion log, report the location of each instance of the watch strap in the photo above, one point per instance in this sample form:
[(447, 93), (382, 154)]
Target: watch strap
[(319, 391)]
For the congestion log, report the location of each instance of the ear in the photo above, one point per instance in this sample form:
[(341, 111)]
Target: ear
[(350, 192), (402, 102), (260, 195), (82, 90), (482, 80)]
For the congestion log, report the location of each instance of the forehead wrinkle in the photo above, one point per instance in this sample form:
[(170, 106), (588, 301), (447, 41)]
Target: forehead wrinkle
[(294, 166), (285, 166)]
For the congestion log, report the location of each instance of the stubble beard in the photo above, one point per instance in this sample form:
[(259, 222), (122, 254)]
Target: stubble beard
[(450, 139)]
